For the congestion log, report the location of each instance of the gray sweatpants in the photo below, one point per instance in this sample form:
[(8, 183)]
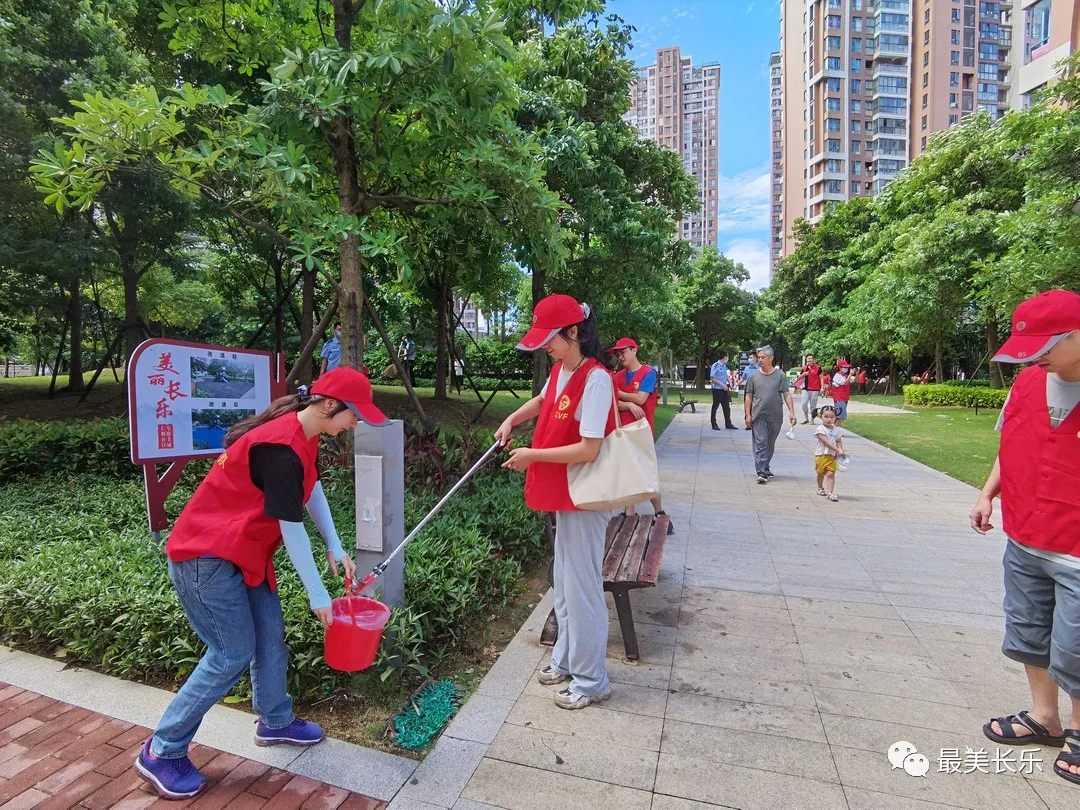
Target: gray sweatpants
[(579, 600), (809, 402), (764, 434)]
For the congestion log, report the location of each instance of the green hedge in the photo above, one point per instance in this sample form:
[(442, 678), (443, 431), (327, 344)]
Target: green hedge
[(968, 383), (483, 383), (29, 449), (951, 395)]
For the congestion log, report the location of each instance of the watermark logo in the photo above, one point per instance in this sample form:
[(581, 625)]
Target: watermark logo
[(905, 755)]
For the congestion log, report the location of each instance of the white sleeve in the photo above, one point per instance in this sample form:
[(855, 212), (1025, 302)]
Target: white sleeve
[(596, 404), (1001, 416)]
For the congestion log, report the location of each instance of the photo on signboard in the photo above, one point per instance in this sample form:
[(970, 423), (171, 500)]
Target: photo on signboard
[(218, 378), (209, 425)]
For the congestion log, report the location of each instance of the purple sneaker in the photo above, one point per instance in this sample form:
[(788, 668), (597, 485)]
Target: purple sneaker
[(172, 778), (298, 732)]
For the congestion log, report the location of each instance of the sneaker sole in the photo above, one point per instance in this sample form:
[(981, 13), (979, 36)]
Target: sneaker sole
[(584, 704), (160, 788), (264, 742), (552, 681)]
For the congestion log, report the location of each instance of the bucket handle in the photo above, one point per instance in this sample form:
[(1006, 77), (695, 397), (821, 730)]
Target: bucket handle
[(348, 597)]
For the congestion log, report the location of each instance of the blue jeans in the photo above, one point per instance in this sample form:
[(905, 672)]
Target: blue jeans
[(241, 627)]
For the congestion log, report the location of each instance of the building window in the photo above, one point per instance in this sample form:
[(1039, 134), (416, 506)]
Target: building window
[(856, 168), (988, 71), (834, 166), (954, 57), (926, 16), (954, 79), (832, 145), (856, 23), (856, 86), (832, 43), (856, 5), (954, 119), (856, 44), (990, 51), (832, 124), (954, 101), (832, 63), (856, 65), (954, 36), (925, 37), (856, 105), (1037, 24), (856, 126), (925, 58), (833, 85), (925, 79), (832, 22), (956, 16), (834, 186), (922, 142), (924, 101), (856, 147), (924, 122), (832, 105)]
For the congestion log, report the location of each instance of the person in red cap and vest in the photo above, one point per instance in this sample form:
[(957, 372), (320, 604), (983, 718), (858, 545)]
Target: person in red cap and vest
[(1037, 475), (841, 389), (636, 386), (221, 554), (574, 411)]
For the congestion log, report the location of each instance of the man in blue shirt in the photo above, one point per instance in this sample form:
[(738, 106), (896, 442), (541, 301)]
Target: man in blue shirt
[(720, 378), (331, 351)]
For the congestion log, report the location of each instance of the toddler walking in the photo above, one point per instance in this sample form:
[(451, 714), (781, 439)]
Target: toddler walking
[(829, 446)]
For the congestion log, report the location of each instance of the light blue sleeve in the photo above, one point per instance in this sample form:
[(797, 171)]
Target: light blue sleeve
[(325, 350), (319, 509), (298, 547)]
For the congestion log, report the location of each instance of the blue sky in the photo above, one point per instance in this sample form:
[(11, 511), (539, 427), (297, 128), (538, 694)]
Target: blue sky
[(740, 35)]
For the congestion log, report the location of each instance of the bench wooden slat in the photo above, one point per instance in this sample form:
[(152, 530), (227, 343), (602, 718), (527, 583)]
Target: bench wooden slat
[(613, 558), (650, 565), (635, 552), (613, 529)]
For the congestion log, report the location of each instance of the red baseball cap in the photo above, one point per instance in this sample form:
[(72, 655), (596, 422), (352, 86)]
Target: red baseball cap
[(1038, 324), (549, 316), (352, 388), (624, 343), (843, 364)]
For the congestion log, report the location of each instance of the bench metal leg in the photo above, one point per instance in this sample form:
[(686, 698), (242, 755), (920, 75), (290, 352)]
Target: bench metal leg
[(626, 622)]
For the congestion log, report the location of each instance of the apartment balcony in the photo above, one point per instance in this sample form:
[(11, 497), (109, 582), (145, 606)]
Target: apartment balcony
[(879, 185), (889, 69), (891, 50), (892, 153), (887, 172), (891, 131), (889, 5), (1005, 37)]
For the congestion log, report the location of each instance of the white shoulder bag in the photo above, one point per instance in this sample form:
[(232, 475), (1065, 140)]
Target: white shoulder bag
[(623, 474)]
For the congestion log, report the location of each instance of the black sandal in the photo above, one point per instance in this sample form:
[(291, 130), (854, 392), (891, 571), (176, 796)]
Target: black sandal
[(1039, 734), (1070, 757)]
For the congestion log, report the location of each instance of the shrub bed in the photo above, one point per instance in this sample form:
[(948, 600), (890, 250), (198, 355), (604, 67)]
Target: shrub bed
[(78, 570), (101, 446), (941, 395)]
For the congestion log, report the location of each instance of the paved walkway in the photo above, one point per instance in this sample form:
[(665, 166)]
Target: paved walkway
[(789, 643)]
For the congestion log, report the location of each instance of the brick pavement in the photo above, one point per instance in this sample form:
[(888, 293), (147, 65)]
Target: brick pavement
[(55, 756)]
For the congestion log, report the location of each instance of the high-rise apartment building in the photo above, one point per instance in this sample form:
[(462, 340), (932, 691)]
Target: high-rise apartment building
[(776, 167), (865, 83), (677, 105), (1046, 31)]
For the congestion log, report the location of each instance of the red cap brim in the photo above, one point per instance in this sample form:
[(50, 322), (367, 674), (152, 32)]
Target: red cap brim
[(1026, 348), (369, 413), (537, 338)]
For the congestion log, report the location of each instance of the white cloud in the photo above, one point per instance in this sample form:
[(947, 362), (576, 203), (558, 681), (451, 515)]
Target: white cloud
[(743, 201), (749, 8), (753, 254)]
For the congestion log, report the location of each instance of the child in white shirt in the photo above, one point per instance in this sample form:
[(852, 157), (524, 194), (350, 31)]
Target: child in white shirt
[(829, 446)]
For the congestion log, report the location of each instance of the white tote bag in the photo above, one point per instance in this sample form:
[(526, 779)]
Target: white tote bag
[(623, 474)]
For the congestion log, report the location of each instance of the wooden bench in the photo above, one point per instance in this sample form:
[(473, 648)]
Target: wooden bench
[(633, 547), (687, 403)]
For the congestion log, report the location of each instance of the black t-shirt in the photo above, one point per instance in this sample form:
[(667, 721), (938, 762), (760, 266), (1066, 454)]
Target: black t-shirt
[(279, 473)]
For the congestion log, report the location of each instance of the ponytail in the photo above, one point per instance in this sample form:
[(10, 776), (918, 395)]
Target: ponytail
[(588, 339), (279, 407)]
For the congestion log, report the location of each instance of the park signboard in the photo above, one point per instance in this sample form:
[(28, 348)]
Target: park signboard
[(182, 399)]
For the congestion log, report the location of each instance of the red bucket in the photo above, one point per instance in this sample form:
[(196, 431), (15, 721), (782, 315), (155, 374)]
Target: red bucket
[(353, 638)]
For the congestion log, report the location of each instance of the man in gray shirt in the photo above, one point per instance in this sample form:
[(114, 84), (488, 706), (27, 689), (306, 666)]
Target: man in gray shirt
[(766, 393)]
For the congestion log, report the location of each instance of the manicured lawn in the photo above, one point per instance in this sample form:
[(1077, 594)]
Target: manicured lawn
[(954, 440)]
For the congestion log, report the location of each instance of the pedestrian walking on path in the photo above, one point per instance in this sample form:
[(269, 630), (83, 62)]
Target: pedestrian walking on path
[(720, 379), (1037, 475), (221, 554), (830, 446), (635, 384), (331, 351), (574, 412), (767, 391), (810, 376), (841, 389)]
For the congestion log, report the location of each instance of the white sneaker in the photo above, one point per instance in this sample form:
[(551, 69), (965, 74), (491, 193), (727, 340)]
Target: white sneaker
[(565, 699), (549, 676)]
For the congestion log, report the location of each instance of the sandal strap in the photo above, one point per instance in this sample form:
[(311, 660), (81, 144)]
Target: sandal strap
[(1008, 725), (1072, 740)]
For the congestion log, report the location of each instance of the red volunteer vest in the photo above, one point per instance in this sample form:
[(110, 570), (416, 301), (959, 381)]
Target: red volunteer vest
[(620, 385), (813, 378), (546, 486), (842, 392), (225, 519), (1040, 469)]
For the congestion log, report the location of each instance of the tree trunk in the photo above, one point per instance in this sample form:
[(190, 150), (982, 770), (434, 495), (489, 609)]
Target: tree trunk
[(891, 387), (540, 365), (132, 331), (276, 260), (997, 379), (699, 374), (443, 302), (307, 323), (939, 358), (352, 303), (75, 373)]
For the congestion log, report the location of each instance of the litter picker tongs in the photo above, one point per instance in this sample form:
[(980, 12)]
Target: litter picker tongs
[(377, 571)]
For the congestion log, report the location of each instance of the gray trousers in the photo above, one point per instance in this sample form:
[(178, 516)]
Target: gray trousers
[(764, 434), (580, 606), (809, 402)]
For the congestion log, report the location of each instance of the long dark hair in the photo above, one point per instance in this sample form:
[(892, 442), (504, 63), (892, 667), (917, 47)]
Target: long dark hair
[(279, 407), (588, 340)]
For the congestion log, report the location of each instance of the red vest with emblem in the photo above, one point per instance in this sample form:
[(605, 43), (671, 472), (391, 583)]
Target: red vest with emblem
[(546, 486), (632, 388), (1040, 469), (225, 519)]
